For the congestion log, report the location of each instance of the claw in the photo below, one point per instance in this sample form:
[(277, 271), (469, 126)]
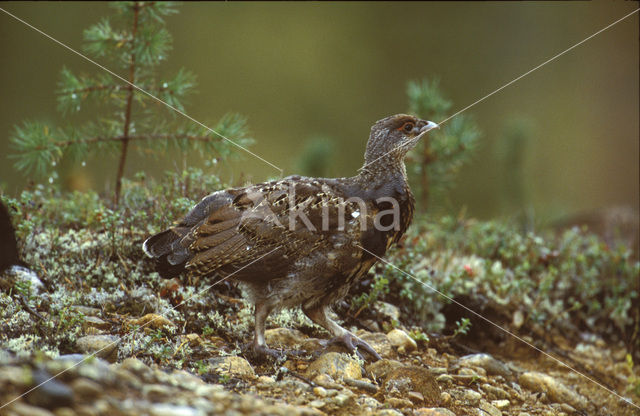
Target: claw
[(352, 343)]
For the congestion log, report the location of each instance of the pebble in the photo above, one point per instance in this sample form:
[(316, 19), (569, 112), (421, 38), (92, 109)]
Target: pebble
[(445, 379), (22, 409), (433, 411), (232, 366), (555, 390), (445, 398), (103, 346), (501, 404), (336, 365), (165, 409), (494, 392), (151, 320), (398, 402), (381, 368), (414, 378), (52, 394), (471, 397), (318, 404), (387, 310), (402, 341), (489, 409), (266, 379), (320, 391), (379, 342), (486, 361), (284, 338), (95, 322), (84, 387), (388, 412), (415, 397), (343, 399)]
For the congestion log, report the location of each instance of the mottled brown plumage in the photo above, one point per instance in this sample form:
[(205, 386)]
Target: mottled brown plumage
[(299, 241)]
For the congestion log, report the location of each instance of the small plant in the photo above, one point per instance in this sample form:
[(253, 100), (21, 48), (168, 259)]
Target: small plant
[(419, 336), (135, 40), (633, 380), (462, 327), (202, 367), (380, 287)]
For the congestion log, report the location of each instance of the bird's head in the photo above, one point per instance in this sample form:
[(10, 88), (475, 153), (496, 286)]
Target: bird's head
[(392, 137)]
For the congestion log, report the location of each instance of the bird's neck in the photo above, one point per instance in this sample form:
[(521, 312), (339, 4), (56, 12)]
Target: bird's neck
[(382, 170)]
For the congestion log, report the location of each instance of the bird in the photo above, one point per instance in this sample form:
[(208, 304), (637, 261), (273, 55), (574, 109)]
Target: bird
[(300, 241)]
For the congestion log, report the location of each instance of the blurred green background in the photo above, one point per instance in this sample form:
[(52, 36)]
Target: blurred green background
[(303, 72)]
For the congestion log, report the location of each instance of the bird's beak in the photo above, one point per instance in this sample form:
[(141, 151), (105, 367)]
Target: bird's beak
[(429, 126)]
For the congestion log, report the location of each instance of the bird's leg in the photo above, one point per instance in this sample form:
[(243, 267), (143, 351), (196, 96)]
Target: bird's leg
[(263, 309), (318, 314)]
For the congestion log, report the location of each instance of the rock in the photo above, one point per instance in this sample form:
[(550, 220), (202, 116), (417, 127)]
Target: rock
[(436, 371), (398, 403), (86, 310), (185, 380), (157, 392), (388, 412), (336, 365), (445, 379), (343, 399), (378, 342), (362, 385), (266, 380), (135, 366), (518, 319), (284, 338), (494, 392), (17, 376), (103, 346), (489, 409), (387, 310), (402, 341), (18, 408), (95, 322), (151, 320), (326, 381), (232, 366), (85, 388), (412, 378), (52, 394), (381, 368), (370, 403), (471, 397), (320, 391), (165, 409), (445, 398), (501, 404), (491, 365), (555, 390), (433, 411), (415, 397), (318, 404)]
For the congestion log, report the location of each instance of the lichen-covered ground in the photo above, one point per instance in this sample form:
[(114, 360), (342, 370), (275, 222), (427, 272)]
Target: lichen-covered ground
[(177, 347)]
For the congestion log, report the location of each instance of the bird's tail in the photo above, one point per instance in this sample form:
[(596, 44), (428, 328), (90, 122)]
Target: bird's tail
[(167, 249)]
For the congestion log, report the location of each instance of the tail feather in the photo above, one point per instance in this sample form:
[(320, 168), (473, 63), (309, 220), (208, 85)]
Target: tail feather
[(169, 254)]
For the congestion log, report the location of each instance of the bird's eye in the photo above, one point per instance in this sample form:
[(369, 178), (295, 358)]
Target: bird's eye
[(407, 127)]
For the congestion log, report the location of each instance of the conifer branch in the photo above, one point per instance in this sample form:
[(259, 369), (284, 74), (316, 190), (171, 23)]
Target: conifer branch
[(138, 48)]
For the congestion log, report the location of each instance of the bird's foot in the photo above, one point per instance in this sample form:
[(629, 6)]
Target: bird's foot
[(352, 343)]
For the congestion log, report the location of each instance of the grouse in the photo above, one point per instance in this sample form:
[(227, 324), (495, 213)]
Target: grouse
[(300, 241)]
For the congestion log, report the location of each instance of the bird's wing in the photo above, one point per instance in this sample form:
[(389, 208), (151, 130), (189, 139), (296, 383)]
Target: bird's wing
[(262, 229)]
